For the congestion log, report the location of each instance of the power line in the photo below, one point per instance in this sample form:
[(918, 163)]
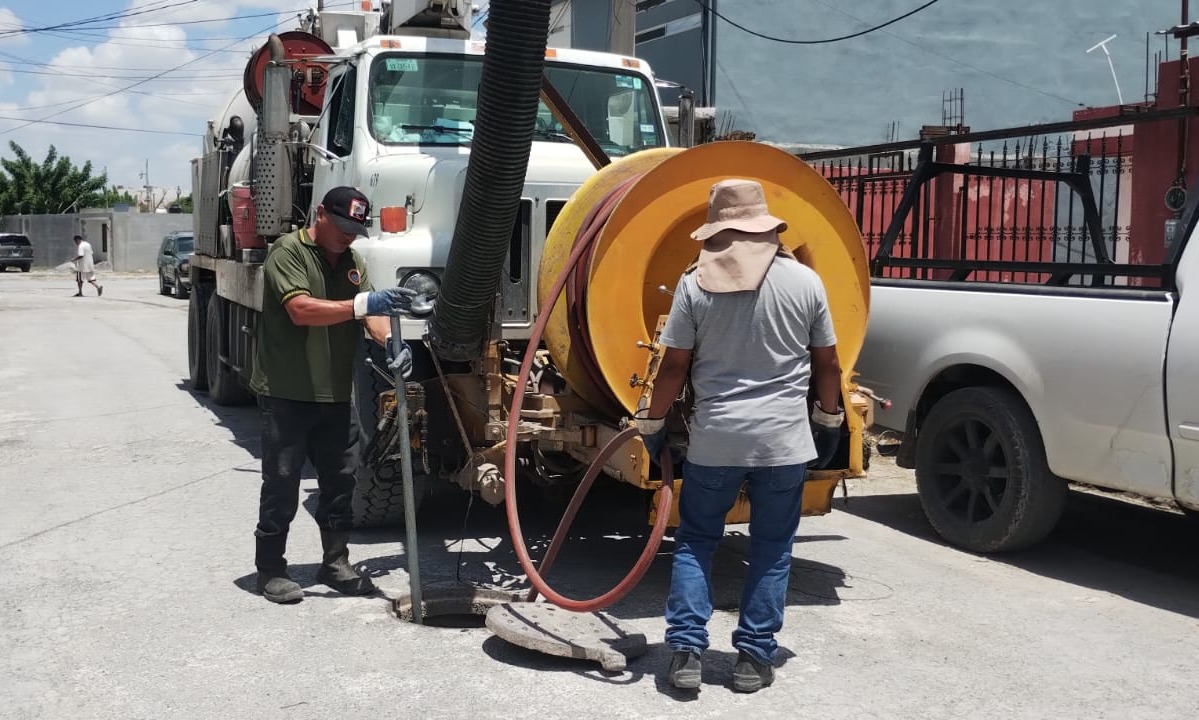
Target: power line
[(200, 77), (107, 127), (161, 24), (184, 22), (788, 41), (952, 59), (138, 83), (163, 44), (134, 11)]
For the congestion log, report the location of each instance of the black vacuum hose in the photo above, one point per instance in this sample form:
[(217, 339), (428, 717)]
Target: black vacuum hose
[(495, 176)]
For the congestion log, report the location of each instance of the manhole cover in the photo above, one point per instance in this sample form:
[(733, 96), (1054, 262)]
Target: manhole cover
[(551, 630)]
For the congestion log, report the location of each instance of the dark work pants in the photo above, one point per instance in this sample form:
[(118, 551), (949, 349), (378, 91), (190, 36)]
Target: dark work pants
[(293, 432)]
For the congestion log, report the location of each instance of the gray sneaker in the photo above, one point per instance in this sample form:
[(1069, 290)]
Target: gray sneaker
[(750, 675), (279, 588), (686, 670)]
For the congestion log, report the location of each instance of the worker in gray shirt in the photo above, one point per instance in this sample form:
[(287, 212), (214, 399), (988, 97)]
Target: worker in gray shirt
[(752, 325)]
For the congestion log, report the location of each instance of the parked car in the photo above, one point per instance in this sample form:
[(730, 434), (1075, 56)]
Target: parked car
[(15, 251), (173, 258)]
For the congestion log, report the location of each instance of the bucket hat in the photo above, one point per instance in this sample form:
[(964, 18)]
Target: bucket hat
[(740, 239)]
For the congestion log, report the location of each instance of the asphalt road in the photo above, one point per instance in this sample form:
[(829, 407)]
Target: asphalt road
[(126, 513)]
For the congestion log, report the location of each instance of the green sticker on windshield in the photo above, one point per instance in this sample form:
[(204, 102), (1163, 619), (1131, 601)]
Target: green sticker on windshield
[(624, 81), (402, 65), (636, 83)]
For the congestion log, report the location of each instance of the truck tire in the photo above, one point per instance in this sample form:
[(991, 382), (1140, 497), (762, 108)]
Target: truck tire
[(378, 492), (162, 284), (981, 472), (197, 330), (26, 267), (223, 385)]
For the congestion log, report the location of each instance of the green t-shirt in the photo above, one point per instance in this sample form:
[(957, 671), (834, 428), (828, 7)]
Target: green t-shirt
[(293, 362)]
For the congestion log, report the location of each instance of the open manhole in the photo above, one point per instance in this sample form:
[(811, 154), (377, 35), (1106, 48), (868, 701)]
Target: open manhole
[(454, 604)]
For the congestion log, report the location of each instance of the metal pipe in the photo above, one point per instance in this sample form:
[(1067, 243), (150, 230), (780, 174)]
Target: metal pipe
[(411, 549), (1184, 94)]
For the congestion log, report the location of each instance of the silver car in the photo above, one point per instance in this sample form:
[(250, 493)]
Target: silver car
[(15, 251)]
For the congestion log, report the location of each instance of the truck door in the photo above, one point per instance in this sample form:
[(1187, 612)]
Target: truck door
[(333, 169), (1182, 379)]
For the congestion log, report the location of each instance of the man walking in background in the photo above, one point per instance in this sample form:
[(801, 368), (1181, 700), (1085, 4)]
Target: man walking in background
[(752, 326), (85, 266)]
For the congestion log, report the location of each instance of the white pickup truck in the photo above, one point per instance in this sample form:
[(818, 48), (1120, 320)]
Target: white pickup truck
[(1003, 393)]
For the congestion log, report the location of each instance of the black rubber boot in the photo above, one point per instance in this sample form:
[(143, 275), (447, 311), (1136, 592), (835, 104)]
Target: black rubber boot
[(273, 581), (336, 570), (750, 675), (279, 588)]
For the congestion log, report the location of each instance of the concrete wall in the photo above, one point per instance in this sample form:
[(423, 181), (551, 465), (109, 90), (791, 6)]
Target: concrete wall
[(51, 236), (139, 236), (127, 241)]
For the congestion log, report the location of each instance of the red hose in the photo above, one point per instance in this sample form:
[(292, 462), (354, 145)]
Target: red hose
[(583, 245)]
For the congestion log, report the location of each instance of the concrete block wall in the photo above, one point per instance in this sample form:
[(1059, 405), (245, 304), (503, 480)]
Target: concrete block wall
[(127, 241)]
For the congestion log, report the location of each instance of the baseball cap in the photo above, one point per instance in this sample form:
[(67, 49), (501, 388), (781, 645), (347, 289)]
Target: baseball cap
[(348, 208)]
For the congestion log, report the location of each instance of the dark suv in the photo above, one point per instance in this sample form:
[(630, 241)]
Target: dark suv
[(15, 251), (173, 257)]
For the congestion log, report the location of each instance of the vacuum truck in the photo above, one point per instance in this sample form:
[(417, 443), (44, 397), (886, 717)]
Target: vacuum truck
[(533, 192)]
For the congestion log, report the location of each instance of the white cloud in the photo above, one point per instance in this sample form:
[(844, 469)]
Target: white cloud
[(10, 21), (93, 76)]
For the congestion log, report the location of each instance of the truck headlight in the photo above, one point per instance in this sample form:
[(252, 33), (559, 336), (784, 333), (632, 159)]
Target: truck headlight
[(421, 282), (183, 266)]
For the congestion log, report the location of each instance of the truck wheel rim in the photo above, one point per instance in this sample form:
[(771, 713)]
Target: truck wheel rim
[(971, 471)]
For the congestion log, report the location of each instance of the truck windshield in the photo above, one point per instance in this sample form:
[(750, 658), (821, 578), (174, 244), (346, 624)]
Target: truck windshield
[(430, 100)]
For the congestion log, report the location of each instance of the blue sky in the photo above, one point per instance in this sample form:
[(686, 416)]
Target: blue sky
[(100, 67)]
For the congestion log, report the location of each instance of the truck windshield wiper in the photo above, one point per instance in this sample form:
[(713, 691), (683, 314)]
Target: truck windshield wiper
[(552, 135), (439, 128)]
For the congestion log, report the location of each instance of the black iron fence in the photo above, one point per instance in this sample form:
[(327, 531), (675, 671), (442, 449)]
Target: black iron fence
[(1019, 205)]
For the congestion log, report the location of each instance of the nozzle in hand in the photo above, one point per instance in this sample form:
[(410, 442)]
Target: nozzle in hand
[(393, 301)]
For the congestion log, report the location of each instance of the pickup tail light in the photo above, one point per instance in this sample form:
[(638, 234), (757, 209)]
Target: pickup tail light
[(393, 219)]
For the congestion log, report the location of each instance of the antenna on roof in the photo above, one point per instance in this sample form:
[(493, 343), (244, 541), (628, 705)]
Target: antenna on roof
[(1103, 44)]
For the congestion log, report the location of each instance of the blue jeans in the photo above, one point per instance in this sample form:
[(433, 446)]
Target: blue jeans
[(708, 493)]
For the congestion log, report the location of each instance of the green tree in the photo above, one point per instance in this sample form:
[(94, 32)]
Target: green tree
[(186, 204), (114, 197), (52, 186)]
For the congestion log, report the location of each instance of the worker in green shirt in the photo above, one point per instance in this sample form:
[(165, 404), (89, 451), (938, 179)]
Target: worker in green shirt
[(316, 299)]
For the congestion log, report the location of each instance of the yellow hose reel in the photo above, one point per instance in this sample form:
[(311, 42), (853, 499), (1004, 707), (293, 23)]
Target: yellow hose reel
[(645, 244)]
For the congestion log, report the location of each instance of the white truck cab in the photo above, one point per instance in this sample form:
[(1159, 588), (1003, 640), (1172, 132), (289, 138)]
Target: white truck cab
[(398, 124)]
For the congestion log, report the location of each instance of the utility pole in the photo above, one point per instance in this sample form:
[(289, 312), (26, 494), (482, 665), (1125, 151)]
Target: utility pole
[(623, 30), (147, 186)]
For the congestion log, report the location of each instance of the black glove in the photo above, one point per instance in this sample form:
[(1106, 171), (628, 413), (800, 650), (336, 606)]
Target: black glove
[(826, 434)]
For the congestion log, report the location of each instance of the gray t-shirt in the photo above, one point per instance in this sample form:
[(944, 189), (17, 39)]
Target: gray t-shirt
[(750, 365)]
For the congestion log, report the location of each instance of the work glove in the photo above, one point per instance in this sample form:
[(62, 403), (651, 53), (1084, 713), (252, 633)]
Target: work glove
[(401, 362), (826, 434), (653, 434), (652, 430), (391, 301)]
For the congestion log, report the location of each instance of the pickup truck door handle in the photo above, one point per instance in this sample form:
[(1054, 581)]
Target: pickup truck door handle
[(1188, 431)]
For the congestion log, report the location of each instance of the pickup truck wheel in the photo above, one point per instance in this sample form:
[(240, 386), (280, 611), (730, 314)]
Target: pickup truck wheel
[(223, 386), (981, 472), (197, 330), (26, 267), (378, 499)]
